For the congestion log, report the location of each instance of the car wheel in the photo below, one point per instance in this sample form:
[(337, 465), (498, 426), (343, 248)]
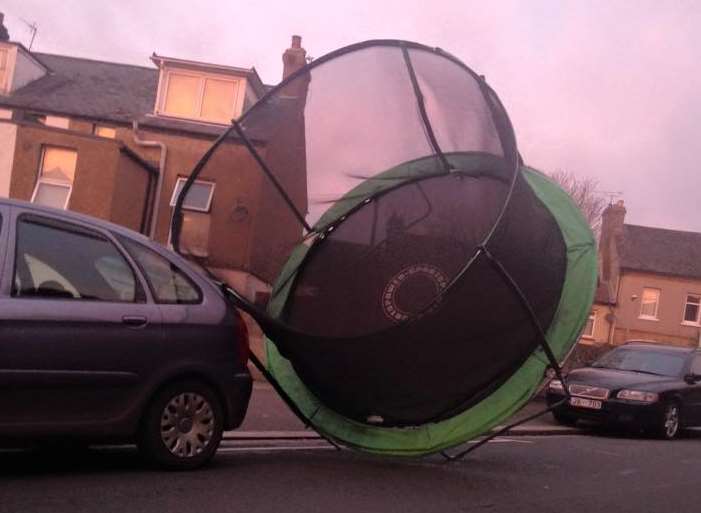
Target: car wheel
[(182, 427), (564, 419), (670, 424)]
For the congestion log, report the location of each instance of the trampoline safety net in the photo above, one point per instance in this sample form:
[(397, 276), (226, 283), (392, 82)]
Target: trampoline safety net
[(422, 277)]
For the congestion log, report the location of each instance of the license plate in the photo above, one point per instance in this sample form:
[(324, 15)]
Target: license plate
[(585, 403)]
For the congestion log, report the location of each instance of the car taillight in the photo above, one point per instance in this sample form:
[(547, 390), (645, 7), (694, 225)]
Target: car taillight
[(241, 337)]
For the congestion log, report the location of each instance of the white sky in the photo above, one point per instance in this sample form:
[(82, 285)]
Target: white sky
[(606, 89)]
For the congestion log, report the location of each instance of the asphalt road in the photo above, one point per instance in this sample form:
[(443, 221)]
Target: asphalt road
[(526, 474)]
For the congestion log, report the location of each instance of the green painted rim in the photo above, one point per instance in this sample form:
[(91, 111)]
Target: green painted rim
[(572, 312)]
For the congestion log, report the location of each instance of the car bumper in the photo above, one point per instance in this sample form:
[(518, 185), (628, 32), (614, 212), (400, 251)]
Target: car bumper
[(613, 412), (237, 395)]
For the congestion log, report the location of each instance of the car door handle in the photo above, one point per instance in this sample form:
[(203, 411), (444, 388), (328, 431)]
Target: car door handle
[(135, 321)]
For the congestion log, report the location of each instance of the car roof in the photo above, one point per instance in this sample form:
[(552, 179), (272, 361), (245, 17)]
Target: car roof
[(657, 346), (74, 216), (68, 215)]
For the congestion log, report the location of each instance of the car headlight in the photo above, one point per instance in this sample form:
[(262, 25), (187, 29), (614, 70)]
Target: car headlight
[(556, 385), (637, 395)]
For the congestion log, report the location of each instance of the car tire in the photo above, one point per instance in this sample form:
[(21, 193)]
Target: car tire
[(182, 426), (563, 419), (670, 422)]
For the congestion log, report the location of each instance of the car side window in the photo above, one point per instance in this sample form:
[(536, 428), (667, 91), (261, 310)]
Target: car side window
[(696, 365), (168, 283), (63, 261)]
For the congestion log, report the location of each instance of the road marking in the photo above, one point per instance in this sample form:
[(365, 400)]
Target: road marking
[(500, 440), (231, 446), (277, 448), (264, 435)]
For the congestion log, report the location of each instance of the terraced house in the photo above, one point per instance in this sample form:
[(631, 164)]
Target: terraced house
[(117, 141), (650, 284)]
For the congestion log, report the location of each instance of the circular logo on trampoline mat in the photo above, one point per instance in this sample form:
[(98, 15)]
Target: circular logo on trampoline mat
[(412, 289)]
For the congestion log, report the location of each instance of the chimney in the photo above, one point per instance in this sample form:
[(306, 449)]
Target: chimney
[(4, 34), (294, 57), (609, 244), (612, 221)]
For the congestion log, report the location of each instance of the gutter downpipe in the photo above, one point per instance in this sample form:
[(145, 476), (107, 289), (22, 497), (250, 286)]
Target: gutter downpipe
[(159, 181)]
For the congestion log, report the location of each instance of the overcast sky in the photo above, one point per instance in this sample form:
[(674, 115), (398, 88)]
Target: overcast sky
[(605, 89)]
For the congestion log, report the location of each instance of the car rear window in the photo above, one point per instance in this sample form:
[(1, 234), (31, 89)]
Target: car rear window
[(168, 284)]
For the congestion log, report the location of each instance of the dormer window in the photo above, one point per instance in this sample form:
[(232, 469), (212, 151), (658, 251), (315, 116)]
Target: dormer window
[(200, 91), (18, 67), (198, 96)]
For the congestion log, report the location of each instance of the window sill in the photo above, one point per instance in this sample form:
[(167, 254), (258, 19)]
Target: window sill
[(692, 324), (199, 121), (647, 318)]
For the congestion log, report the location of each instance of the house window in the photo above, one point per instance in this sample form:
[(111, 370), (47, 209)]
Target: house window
[(691, 309), (56, 173), (105, 131), (649, 304), (57, 122), (588, 331), (200, 97), (199, 196)]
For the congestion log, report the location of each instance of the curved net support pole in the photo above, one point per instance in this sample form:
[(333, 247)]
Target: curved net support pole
[(498, 266), (529, 310), (259, 160), (177, 221), (422, 110)]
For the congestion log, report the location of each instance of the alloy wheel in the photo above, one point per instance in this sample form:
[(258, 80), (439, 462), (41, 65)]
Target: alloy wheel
[(187, 425), (671, 421)]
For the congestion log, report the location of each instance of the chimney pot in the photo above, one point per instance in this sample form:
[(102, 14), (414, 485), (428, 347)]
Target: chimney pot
[(4, 35), (296, 41)]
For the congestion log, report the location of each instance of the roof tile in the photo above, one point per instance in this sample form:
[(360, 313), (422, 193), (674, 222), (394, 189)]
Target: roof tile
[(662, 251)]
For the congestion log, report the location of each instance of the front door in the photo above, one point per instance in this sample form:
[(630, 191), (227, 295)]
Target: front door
[(75, 326)]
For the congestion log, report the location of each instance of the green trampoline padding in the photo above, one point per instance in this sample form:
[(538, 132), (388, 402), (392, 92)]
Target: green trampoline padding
[(572, 312)]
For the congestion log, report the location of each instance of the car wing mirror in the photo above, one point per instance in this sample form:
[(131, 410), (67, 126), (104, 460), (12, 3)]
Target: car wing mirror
[(692, 378)]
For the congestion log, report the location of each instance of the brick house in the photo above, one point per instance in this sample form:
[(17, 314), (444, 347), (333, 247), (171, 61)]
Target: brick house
[(117, 141), (650, 284)]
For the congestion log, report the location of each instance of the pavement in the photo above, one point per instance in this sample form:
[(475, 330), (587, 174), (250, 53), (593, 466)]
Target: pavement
[(269, 417)]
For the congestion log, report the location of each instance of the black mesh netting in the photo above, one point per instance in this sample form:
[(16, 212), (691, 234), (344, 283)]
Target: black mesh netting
[(382, 170)]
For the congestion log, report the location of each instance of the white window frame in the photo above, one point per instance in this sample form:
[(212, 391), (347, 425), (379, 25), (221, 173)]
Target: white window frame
[(202, 77), (58, 183), (174, 196), (52, 181), (653, 317), (592, 316), (697, 322)]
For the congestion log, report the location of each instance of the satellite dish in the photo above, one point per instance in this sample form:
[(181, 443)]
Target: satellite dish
[(423, 277)]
